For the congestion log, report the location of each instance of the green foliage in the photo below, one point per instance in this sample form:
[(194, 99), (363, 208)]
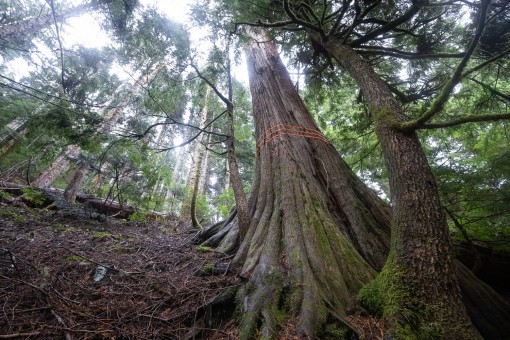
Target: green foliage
[(335, 333), (76, 258), (472, 167), (35, 197), (101, 234), (12, 215), (203, 208), (4, 195), (139, 216), (61, 227), (224, 203), (203, 249)]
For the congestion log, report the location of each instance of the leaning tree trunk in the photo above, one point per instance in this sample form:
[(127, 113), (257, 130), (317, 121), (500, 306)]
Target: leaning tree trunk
[(11, 133), (75, 182), (317, 233), (418, 286), (22, 28), (59, 165)]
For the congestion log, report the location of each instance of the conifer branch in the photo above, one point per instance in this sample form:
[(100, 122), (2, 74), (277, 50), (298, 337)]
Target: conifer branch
[(444, 95), (473, 118)]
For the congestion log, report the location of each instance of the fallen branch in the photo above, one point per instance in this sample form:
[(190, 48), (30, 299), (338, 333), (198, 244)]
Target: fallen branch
[(19, 335)]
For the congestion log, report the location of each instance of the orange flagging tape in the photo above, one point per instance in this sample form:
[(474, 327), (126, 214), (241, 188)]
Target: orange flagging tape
[(288, 130)]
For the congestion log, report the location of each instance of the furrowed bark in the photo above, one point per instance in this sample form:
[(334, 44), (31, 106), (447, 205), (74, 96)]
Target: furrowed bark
[(317, 234), (418, 285), (75, 182)]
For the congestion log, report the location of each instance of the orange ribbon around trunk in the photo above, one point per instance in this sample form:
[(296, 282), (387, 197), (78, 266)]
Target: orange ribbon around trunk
[(288, 130)]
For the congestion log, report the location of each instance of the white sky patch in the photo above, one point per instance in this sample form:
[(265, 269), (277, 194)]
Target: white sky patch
[(19, 68), (85, 30), (240, 71), (120, 71), (177, 10), (178, 140)]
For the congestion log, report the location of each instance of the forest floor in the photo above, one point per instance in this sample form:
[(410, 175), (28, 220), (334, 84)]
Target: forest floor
[(78, 278)]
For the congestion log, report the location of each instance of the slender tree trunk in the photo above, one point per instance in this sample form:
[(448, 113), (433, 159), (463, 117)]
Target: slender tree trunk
[(194, 197), (204, 173), (317, 234), (76, 182), (188, 209), (22, 28), (109, 120), (418, 284), (243, 214)]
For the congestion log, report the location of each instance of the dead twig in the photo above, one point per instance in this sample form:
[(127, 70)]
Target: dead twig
[(19, 335)]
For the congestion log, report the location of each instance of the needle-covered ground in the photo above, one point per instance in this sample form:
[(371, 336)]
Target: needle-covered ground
[(78, 278), (69, 274)]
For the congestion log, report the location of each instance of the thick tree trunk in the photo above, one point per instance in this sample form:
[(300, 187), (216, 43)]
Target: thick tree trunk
[(317, 233), (418, 285)]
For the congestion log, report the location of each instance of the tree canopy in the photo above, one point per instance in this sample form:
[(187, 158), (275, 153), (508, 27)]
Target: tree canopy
[(383, 130)]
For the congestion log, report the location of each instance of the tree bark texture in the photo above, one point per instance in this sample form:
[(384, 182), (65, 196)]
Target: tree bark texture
[(420, 273), (75, 182), (317, 234)]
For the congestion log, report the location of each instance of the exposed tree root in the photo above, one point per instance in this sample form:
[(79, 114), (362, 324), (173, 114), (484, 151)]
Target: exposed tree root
[(489, 311), (317, 234)]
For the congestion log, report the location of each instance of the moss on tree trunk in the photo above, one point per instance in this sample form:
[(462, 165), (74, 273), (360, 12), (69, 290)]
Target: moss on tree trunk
[(317, 234), (418, 288)]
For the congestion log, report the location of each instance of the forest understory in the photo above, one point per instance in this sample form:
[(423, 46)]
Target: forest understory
[(77, 277)]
